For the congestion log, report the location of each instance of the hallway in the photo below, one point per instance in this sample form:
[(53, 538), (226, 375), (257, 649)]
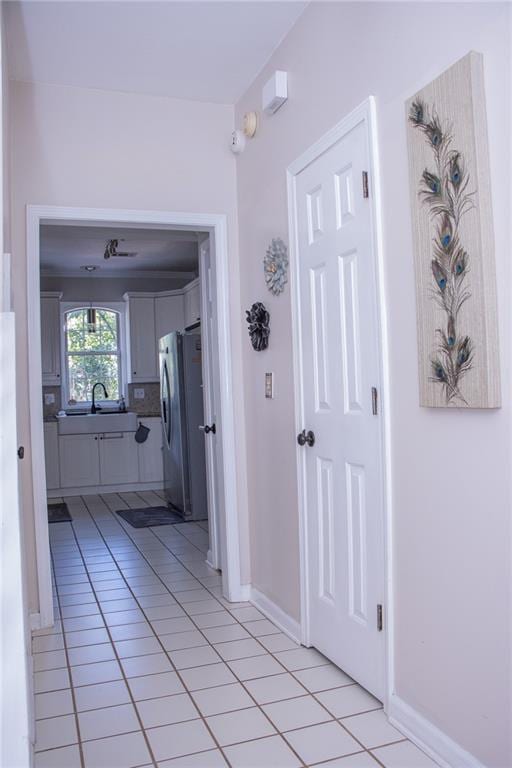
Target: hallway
[(147, 664)]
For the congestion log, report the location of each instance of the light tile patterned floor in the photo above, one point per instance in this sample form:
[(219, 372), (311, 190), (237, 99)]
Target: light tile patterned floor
[(147, 664)]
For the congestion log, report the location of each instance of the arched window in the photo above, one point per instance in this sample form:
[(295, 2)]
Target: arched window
[(92, 343)]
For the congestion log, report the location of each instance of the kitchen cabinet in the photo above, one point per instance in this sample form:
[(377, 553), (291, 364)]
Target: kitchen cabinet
[(143, 356), (169, 314), (79, 461), (118, 458), (50, 337), (51, 455), (151, 468), (192, 300)]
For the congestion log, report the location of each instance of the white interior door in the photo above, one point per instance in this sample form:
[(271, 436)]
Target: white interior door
[(339, 334), (211, 396)]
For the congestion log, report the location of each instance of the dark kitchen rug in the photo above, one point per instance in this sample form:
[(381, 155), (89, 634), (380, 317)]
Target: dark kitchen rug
[(59, 513), (149, 516)]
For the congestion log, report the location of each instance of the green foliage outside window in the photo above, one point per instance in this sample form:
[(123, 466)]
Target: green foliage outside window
[(93, 354)]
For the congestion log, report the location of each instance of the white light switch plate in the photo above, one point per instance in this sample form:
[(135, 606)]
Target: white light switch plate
[(49, 399), (138, 393)]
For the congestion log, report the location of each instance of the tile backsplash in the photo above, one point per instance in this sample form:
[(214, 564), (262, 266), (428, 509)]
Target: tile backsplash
[(149, 405)]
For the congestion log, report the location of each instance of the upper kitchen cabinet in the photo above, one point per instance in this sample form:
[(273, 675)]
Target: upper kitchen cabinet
[(169, 313), (142, 346), (50, 337), (192, 300)]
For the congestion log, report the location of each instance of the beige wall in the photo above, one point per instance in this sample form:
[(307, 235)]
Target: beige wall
[(451, 470), (81, 147)]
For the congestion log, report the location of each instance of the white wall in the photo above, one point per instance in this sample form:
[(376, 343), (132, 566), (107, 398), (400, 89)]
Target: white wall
[(80, 147), (451, 469)]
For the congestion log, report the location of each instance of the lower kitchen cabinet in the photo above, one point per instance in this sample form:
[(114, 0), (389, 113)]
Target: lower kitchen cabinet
[(79, 461), (151, 468), (118, 458), (103, 459), (51, 455)]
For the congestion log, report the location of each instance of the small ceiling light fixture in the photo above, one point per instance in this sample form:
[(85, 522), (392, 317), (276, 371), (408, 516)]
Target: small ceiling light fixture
[(89, 268)]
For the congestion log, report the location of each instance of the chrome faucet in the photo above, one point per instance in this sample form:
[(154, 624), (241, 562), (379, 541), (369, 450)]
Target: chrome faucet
[(94, 409)]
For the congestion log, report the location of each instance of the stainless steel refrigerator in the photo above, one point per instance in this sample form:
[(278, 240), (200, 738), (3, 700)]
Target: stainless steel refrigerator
[(181, 397)]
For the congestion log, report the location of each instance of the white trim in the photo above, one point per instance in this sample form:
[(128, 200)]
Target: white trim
[(34, 621), (216, 225), (57, 493), (276, 615), (428, 737), (365, 112)]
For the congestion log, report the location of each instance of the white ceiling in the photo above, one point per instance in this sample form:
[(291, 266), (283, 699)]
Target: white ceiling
[(64, 249), (204, 51)]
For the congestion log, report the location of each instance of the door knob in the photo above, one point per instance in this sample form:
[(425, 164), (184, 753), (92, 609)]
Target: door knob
[(206, 428), (306, 438)]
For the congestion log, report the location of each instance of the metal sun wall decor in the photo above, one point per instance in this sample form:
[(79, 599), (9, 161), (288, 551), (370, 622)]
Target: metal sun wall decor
[(275, 266), (453, 238), (258, 319)]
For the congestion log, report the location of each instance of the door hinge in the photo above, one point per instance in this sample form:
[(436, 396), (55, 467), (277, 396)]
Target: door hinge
[(379, 617), (365, 184), (375, 401)]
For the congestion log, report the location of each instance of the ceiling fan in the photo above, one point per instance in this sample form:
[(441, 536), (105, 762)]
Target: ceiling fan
[(112, 252)]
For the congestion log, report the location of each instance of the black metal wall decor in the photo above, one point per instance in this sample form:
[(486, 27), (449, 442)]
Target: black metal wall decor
[(258, 319)]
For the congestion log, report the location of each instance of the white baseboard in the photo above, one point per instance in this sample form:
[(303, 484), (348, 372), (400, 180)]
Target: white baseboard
[(274, 613), (428, 737), (58, 493)]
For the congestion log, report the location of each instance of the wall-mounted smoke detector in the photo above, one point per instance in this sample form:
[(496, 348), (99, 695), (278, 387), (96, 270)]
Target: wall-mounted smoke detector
[(275, 92)]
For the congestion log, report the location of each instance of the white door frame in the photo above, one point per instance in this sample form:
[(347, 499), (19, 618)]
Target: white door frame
[(365, 113), (215, 224)]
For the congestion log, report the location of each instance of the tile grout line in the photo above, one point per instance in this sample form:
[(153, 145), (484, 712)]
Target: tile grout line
[(71, 684), (331, 718), (277, 732), (133, 545), (163, 649), (307, 692), (114, 649)]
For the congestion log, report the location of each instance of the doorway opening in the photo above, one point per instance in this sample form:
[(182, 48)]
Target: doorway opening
[(341, 401), (96, 318)]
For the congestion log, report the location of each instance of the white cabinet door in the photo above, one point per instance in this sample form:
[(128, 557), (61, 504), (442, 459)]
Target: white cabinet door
[(118, 458), (143, 343), (50, 339), (151, 468), (192, 304), (51, 455), (169, 315), (79, 461)]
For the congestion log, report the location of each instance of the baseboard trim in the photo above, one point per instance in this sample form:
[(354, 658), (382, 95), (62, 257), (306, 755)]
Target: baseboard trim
[(428, 737), (274, 613)]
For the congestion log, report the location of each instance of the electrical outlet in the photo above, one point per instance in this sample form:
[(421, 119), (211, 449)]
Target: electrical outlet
[(49, 399), (138, 393)]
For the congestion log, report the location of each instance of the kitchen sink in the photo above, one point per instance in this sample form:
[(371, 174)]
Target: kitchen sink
[(90, 423)]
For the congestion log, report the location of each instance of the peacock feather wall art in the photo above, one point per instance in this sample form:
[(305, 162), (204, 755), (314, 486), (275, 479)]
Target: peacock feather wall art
[(453, 238)]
